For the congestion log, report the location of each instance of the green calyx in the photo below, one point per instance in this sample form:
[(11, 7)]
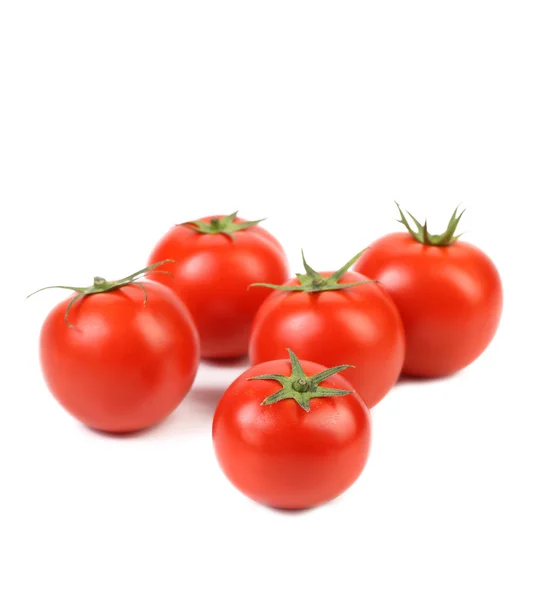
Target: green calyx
[(301, 388), (223, 225), (100, 285), (312, 281), (446, 238)]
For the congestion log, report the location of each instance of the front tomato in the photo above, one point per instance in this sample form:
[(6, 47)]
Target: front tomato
[(216, 259), (286, 441), (119, 356), (332, 319)]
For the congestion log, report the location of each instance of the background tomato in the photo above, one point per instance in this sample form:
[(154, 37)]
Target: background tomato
[(217, 258), (448, 293), (117, 364), (357, 325), (282, 454)]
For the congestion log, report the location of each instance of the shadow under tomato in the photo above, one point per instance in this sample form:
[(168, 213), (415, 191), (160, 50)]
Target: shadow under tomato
[(241, 361), (292, 511), (403, 379), (193, 414), (300, 511), (124, 434)]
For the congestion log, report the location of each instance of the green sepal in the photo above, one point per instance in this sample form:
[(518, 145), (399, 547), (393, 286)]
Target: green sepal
[(100, 285), (422, 235), (220, 225), (312, 281), (301, 388)]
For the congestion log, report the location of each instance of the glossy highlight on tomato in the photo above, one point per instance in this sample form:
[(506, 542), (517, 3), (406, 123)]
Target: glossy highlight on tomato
[(120, 360), (217, 258), (448, 293), (298, 450)]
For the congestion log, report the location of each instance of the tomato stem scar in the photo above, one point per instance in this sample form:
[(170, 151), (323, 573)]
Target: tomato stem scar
[(312, 281), (422, 235), (220, 225), (101, 285), (301, 388)]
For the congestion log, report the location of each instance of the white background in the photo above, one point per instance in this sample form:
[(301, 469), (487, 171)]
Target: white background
[(119, 119)]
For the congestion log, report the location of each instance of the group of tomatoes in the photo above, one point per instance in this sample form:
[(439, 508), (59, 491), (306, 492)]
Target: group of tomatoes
[(294, 430)]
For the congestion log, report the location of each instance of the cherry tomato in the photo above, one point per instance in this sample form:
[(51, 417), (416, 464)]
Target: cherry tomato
[(332, 319), (292, 434), (119, 356), (448, 293), (217, 258)]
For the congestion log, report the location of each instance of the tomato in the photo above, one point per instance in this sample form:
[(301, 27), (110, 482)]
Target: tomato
[(119, 356), (332, 319), (217, 258), (286, 441), (447, 291)]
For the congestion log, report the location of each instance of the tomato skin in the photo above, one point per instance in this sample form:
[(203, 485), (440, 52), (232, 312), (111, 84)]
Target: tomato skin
[(283, 456), (449, 297), (211, 276), (123, 366), (359, 326)]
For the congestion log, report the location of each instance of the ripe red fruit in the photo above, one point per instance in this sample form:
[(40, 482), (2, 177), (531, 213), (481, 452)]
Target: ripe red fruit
[(334, 318), (216, 260), (119, 355), (292, 434), (448, 293)]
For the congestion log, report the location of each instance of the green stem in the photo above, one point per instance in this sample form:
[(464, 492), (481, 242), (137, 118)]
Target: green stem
[(101, 285), (301, 388), (312, 281), (226, 225), (301, 385), (422, 235)]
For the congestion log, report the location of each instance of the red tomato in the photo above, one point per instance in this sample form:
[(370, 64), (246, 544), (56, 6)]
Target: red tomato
[(449, 297), (288, 448), (212, 273), (117, 363), (357, 325)]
